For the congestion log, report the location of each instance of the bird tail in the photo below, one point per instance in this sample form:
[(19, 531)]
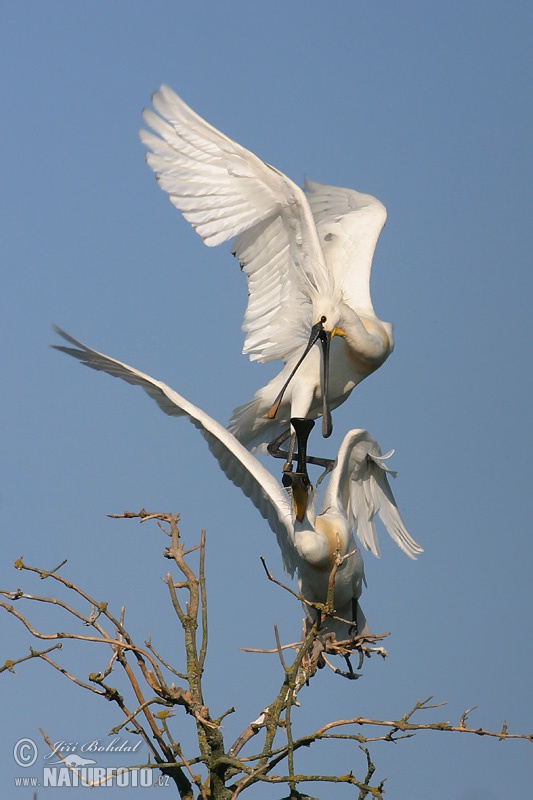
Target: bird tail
[(251, 429)]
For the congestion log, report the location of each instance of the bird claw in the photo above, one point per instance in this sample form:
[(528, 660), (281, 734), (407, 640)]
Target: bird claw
[(290, 455), (328, 463), (349, 674)]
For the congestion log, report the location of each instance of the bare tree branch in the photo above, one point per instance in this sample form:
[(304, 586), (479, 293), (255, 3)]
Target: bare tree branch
[(215, 772)]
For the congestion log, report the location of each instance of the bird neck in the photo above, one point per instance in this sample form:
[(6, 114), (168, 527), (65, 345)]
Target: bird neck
[(366, 334), (318, 544), (334, 527)]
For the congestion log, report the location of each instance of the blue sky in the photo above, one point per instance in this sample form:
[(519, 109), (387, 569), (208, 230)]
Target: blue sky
[(422, 105)]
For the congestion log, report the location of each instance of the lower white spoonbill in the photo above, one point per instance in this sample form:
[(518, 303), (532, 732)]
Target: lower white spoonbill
[(307, 257), (357, 489)]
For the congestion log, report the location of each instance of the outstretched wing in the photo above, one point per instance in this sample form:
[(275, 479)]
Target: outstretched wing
[(225, 191), (236, 462), (359, 485), (348, 225)]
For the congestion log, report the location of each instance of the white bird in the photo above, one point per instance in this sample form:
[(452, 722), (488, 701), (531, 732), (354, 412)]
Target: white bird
[(307, 257), (309, 542)]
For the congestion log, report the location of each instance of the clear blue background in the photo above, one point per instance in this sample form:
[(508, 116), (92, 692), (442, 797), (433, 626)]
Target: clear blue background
[(424, 105)]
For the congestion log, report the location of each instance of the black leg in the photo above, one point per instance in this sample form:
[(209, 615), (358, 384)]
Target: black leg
[(327, 463), (275, 450), (350, 674)]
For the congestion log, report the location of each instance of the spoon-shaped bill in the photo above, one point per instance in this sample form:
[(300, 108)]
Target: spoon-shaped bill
[(327, 424), (299, 482), (302, 427)]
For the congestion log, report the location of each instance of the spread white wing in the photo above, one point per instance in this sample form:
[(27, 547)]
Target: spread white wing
[(225, 191), (348, 225), (237, 463), (359, 485)]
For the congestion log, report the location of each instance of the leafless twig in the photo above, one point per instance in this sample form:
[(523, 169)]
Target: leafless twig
[(148, 702)]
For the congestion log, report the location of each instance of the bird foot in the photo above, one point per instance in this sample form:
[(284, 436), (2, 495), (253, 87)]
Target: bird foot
[(274, 449), (349, 673), (328, 644), (291, 454), (328, 463)]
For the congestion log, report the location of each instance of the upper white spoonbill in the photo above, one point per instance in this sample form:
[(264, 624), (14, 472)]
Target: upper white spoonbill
[(356, 491), (307, 257)]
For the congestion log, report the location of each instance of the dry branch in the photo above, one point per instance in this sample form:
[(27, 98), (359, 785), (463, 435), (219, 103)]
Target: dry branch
[(149, 703)]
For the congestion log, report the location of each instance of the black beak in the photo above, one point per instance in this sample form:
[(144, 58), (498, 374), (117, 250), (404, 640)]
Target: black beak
[(327, 424), (317, 331), (302, 428), (299, 481)]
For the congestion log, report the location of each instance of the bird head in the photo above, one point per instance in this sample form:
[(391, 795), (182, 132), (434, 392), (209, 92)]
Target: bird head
[(329, 310), (301, 491)]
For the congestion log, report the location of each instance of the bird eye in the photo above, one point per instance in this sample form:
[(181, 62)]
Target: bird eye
[(323, 319)]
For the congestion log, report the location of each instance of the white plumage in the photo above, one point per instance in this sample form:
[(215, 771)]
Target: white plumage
[(357, 490), (307, 257)]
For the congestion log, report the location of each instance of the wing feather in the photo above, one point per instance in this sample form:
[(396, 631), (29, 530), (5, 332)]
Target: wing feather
[(243, 469), (349, 224), (225, 191), (359, 485)]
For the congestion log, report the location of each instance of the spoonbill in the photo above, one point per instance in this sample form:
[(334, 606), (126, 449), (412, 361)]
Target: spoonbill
[(309, 542), (307, 256)]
